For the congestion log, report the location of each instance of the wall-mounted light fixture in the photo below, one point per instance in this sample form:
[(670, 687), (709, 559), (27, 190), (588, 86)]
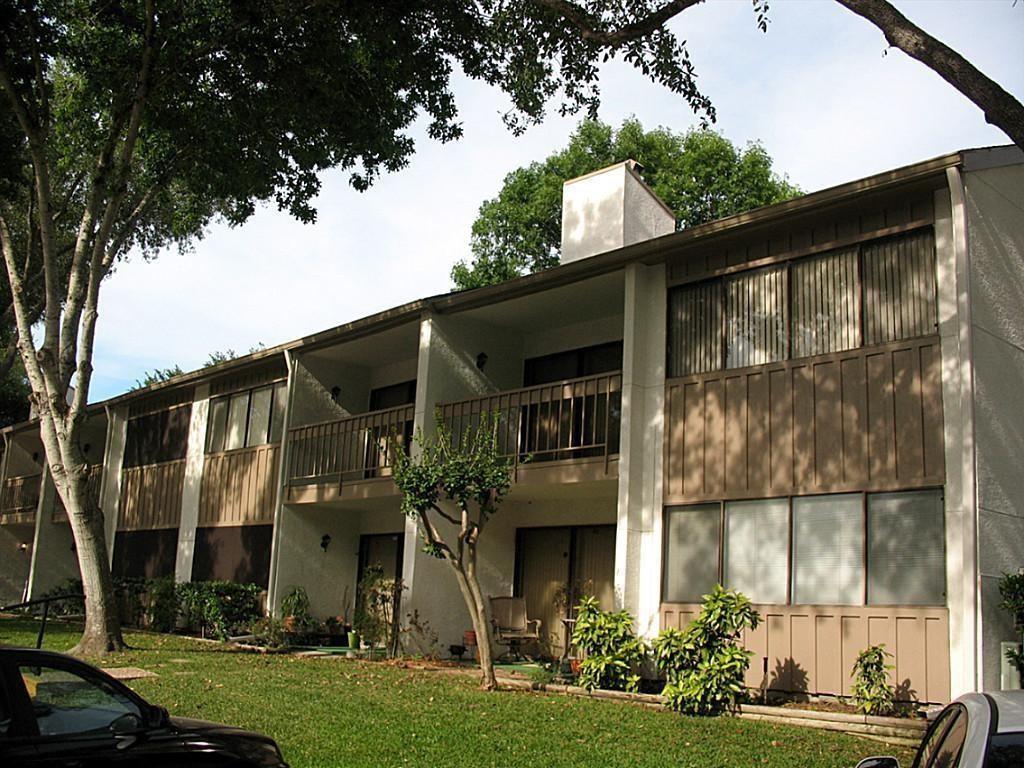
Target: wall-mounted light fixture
[(335, 393), (481, 360), (23, 546), (325, 541)]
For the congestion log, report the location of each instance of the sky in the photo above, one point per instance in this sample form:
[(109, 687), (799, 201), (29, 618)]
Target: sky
[(820, 90)]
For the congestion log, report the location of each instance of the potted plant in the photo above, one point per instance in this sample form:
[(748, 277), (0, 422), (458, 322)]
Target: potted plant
[(295, 609)]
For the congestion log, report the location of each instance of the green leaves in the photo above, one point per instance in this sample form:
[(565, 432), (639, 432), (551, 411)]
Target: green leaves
[(871, 690), (705, 664), (700, 174), (612, 653)]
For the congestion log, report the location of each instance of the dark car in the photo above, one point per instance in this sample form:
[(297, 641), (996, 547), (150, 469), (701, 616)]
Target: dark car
[(58, 711)]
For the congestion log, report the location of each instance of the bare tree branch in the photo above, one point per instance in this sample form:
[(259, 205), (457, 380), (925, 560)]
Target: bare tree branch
[(590, 27)]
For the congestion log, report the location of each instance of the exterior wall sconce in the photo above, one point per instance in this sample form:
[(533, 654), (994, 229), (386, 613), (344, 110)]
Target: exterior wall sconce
[(325, 541), (23, 546), (481, 360), (335, 393)]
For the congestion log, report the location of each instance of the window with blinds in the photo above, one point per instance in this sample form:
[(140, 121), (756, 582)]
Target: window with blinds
[(757, 549), (691, 552), (245, 419), (899, 288), (906, 549), (756, 304), (828, 550), (825, 304), (695, 329), (864, 295)]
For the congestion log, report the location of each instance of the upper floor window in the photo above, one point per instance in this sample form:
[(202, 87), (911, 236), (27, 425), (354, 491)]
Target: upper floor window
[(247, 418), (157, 437), (864, 295)]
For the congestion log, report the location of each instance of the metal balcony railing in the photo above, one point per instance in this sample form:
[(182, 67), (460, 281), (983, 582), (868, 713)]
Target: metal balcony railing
[(20, 495), (346, 450), (564, 420)]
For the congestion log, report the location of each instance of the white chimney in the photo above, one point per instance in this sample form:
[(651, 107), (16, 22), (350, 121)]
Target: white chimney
[(609, 209)]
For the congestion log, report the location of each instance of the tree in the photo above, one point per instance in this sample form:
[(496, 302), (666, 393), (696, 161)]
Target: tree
[(700, 174), (616, 26), (131, 126), (452, 488)]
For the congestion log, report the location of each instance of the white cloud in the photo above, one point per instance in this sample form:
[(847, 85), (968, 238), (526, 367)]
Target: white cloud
[(816, 89)]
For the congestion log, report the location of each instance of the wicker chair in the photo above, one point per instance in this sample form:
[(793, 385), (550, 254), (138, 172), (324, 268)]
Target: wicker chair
[(511, 626)]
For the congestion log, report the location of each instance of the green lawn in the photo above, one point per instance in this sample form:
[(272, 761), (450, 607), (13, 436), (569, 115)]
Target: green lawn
[(332, 711)]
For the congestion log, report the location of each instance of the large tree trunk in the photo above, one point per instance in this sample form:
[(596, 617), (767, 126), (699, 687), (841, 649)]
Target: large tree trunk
[(102, 632)]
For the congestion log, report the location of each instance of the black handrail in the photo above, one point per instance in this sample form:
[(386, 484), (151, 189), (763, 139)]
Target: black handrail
[(45, 602)]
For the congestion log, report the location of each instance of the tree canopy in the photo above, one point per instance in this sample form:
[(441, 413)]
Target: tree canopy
[(700, 175)]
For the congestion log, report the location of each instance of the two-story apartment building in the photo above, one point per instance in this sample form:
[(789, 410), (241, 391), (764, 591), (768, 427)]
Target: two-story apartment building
[(818, 403)]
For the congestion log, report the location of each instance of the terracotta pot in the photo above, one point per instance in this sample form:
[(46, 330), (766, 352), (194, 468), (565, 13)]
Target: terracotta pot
[(290, 624), (574, 665), (469, 638)]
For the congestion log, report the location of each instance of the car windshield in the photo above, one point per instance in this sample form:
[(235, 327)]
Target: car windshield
[(1005, 750)]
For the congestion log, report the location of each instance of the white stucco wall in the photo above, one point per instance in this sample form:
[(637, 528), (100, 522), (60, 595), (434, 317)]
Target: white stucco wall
[(15, 560), (995, 233)]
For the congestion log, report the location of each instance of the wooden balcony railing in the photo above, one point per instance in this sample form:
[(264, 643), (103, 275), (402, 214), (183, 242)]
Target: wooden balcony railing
[(95, 477), (565, 420), (20, 496), (346, 450)]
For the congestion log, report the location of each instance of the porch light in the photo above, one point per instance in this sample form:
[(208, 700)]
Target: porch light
[(481, 360), (325, 540)]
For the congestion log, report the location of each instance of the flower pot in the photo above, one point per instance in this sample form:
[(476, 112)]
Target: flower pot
[(290, 624), (353, 640), (574, 665), (469, 638)]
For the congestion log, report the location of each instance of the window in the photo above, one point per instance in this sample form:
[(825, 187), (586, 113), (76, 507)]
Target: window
[(899, 289), (1005, 750), (157, 437), (246, 419), (870, 294), (828, 549), (65, 703), (691, 552), (573, 363), (755, 318), (757, 549), (393, 396), (837, 549), (826, 304), (906, 549)]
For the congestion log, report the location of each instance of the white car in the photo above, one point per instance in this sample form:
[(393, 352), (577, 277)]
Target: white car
[(978, 730)]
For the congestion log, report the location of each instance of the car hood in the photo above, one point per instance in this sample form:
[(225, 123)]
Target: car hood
[(205, 726)]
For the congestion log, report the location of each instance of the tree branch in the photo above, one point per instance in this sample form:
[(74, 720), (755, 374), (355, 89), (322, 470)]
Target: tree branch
[(589, 26), (1000, 108)]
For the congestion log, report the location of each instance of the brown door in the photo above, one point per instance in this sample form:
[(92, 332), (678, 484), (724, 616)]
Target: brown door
[(383, 550), (557, 566)]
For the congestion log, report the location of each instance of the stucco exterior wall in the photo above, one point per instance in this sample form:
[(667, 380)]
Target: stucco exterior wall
[(995, 232), (14, 561)]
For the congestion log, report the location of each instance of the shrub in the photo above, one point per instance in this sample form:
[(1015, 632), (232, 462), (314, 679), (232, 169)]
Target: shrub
[(269, 632), (612, 652), (72, 606), (1011, 587), (163, 604), (295, 605), (872, 693), (219, 608), (704, 665)]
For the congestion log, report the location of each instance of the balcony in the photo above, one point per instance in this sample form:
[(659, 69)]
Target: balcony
[(346, 458), (19, 499), (565, 431)]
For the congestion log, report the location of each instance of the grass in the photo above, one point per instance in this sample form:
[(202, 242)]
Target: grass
[(331, 711)]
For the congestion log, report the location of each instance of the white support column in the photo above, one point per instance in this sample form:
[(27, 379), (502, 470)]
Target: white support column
[(41, 545), (962, 582), (282, 477), (638, 533), (110, 483), (194, 458)]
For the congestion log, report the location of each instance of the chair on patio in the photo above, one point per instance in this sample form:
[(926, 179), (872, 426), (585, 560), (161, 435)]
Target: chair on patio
[(511, 626)]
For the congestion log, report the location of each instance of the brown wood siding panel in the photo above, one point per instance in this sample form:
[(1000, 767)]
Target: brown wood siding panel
[(151, 496), (865, 419), (239, 487), (811, 648)]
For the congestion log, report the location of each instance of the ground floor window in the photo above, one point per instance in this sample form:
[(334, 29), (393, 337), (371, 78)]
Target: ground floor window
[(835, 549)]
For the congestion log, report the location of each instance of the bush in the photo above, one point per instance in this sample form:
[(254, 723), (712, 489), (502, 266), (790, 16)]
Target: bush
[(163, 604), (269, 632), (704, 665), (612, 651), (219, 608), (1011, 587), (295, 606), (72, 606), (872, 693)]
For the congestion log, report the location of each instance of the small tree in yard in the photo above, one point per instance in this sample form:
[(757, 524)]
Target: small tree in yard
[(451, 489)]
